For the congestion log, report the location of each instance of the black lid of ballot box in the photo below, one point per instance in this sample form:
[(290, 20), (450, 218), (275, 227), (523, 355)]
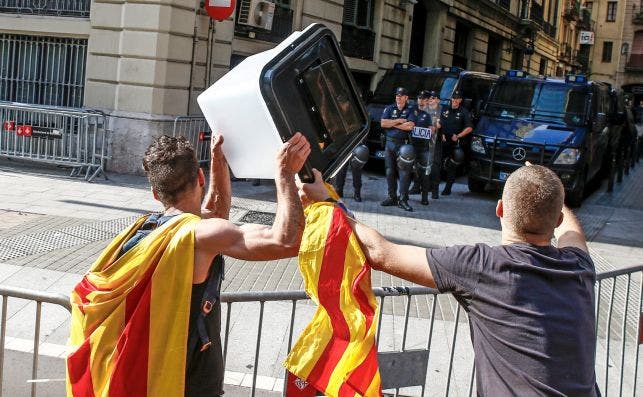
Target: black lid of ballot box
[(309, 88)]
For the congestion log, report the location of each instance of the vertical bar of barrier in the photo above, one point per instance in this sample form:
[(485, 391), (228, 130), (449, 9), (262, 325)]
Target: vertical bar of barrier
[(255, 369), (638, 335), (3, 333), (473, 376), (227, 332), (36, 348), (290, 334), (406, 326), (455, 336), (428, 345), (623, 334), (379, 322), (608, 333), (597, 314)]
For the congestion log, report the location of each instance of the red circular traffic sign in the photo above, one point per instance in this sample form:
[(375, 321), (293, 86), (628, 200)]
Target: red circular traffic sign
[(219, 9)]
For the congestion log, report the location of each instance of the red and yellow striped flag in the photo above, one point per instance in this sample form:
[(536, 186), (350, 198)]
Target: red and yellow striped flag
[(336, 353), (130, 316)]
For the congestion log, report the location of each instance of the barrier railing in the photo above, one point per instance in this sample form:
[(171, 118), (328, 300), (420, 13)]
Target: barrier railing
[(63, 136), (196, 130), (417, 327), (39, 298)]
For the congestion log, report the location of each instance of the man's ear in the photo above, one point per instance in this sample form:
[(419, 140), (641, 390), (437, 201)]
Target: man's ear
[(156, 196), (201, 177), (560, 219), (499, 209)]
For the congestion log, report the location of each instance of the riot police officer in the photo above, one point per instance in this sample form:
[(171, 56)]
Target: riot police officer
[(397, 121), (358, 160), (423, 138), (455, 123)]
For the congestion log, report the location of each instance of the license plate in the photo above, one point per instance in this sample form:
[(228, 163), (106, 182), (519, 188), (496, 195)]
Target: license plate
[(379, 153), (503, 175)]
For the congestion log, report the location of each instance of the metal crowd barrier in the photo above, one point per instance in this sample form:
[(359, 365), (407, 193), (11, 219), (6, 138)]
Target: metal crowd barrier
[(196, 130), (423, 342), (72, 137)]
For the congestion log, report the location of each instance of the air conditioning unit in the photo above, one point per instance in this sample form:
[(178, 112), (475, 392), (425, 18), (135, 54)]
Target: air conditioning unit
[(256, 13)]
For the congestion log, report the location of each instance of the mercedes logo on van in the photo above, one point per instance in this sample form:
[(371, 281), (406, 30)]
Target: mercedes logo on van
[(519, 153)]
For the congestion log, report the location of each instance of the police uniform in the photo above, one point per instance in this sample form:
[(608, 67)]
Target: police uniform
[(423, 141), (452, 122), (395, 138)]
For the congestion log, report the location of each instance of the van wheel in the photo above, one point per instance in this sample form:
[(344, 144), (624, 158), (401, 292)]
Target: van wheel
[(575, 198), (476, 185)]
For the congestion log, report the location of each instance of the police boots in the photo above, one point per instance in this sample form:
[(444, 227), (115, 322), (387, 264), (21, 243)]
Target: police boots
[(357, 196), (404, 204), (425, 198)]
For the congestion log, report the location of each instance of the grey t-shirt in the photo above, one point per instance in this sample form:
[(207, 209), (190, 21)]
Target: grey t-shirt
[(531, 313)]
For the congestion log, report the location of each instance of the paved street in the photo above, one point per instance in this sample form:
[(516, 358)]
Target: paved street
[(52, 227)]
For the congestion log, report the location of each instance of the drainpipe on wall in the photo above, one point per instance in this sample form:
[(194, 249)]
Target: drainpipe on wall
[(195, 39)]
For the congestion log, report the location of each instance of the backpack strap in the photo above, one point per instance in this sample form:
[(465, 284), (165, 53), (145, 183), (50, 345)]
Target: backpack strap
[(211, 295)]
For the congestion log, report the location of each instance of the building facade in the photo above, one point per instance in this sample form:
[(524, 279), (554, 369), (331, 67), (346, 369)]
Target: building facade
[(144, 63)]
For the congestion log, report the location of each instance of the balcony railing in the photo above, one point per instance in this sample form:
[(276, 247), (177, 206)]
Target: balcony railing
[(61, 8), (635, 63), (358, 42), (572, 12), (549, 29), (638, 18), (281, 27), (585, 22)]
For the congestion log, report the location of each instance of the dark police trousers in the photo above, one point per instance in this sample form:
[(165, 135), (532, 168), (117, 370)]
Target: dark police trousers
[(340, 178), (447, 154), (391, 151), (432, 180)]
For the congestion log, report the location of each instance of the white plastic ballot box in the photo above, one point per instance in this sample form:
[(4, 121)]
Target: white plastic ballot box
[(303, 85)]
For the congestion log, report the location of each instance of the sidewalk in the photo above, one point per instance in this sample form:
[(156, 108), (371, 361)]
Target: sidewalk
[(52, 227)]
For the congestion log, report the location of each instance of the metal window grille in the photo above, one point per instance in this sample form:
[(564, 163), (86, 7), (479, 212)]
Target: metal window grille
[(66, 8), (359, 13), (42, 70)]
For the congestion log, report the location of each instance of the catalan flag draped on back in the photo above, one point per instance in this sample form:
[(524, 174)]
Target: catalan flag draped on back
[(130, 316), (336, 353)]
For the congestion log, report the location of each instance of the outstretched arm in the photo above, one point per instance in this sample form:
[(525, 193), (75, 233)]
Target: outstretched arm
[(218, 198), (570, 232), (257, 242), (404, 261)]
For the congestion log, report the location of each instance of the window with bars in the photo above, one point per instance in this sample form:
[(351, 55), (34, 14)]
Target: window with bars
[(42, 70), (607, 51), (611, 11), (359, 13), (63, 8), (506, 4)]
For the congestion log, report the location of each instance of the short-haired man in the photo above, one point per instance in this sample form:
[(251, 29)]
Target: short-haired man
[(205, 235), (530, 304), (397, 121)]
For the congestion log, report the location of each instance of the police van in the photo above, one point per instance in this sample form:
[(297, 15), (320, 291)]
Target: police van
[(475, 87), (561, 123)]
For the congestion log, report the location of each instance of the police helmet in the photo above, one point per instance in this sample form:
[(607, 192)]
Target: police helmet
[(458, 155), (406, 158), (360, 156)]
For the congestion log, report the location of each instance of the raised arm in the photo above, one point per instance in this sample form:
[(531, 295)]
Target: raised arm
[(570, 232), (257, 242), (404, 261), (218, 198)]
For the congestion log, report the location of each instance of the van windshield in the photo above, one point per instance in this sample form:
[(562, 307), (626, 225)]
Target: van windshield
[(414, 83), (512, 99), (561, 101), (544, 102)]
